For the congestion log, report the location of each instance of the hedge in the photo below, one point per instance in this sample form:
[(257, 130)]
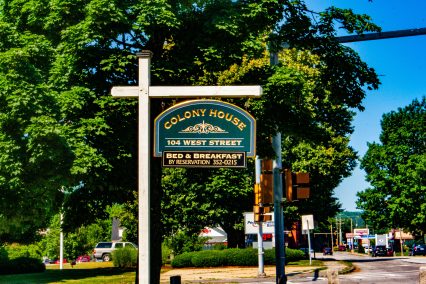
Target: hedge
[(231, 257), (22, 265), (209, 258), (183, 260), (243, 257)]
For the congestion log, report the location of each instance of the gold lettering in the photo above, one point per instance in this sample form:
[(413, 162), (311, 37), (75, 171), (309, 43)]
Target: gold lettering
[(235, 121), (241, 126), (213, 112), (229, 116), (180, 118)]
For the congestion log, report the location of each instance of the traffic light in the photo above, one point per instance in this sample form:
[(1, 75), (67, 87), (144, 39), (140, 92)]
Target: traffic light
[(267, 182), (263, 193), (259, 213), (296, 185)]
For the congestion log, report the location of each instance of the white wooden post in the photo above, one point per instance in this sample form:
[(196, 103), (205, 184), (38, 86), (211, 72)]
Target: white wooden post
[(144, 92), (144, 161)]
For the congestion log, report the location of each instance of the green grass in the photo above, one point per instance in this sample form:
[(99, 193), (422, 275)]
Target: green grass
[(91, 272), (305, 262)]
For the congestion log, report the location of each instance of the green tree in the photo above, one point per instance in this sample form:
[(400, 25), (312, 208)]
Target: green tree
[(323, 152), (396, 170), (189, 205), (79, 49), (80, 242), (35, 156)]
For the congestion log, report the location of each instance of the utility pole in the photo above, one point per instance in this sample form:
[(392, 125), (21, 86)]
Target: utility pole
[(278, 211), (352, 237), (278, 199), (260, 252)]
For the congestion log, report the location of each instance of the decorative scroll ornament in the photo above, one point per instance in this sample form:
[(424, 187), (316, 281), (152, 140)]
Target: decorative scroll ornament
[(203, 128)]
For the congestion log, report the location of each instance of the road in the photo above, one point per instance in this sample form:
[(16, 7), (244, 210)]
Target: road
[(372, 270)]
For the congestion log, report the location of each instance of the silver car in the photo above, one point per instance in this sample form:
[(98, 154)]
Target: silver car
[(103, 250)]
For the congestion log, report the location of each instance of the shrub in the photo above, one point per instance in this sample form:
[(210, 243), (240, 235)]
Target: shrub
[(183, 241), (219, 246), (4, 256), (166, 253), (183, 260), (22, 265), (233, 257), (244, 257), (17, 250), (293, 255), (269, 257), (209, 258), (125, 257)]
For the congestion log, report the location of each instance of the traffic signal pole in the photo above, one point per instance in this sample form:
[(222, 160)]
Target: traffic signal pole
[(278, 211), (278, 201), (260, 251)]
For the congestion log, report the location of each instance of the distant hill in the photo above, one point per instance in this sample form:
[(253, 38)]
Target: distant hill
[(357, 221)]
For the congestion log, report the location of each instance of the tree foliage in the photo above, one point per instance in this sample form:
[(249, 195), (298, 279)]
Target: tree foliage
[(396, 169), (60, 129), (35, 157)]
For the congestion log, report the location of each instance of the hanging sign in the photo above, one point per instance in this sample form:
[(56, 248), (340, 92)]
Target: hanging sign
[(189, 159), (203, 131)]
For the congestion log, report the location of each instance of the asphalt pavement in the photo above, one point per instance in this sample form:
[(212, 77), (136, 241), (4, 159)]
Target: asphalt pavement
[(251, 274)]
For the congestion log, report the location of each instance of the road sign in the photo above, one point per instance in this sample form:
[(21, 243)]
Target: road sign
[(308, 220), (251, 227)]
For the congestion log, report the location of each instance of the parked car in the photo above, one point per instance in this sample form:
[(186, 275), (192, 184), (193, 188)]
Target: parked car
[(418, 250), (379, 251), (103, 250), (48, 261), (58, 262), (328, 251), (83, 258), (341, 248)]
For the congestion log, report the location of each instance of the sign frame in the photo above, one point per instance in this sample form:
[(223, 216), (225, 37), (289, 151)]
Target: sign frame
[(205, 125)]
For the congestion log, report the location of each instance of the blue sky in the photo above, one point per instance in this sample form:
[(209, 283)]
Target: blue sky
[(401, 65)]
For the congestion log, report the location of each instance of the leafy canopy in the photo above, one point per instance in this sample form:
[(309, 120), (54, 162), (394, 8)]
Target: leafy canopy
[(63, 56), (396, 170)]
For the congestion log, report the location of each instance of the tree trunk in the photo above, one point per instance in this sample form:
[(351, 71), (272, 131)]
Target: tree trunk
[(156, 195), (156, 225), (236, 238)]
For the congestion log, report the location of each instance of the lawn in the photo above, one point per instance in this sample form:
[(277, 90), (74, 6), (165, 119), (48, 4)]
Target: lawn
[(89, 272)]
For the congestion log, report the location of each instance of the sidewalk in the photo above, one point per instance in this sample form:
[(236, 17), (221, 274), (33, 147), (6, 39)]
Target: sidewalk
[(241, 274)]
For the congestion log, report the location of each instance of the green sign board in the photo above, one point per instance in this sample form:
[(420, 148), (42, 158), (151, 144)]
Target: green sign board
[(204, 126)]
